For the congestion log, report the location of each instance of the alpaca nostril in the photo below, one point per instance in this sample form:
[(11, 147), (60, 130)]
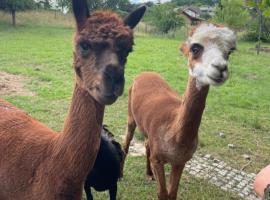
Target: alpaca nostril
[(221, 75), (224, 68)]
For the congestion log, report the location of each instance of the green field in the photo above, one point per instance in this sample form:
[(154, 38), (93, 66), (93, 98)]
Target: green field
[(240, 108)]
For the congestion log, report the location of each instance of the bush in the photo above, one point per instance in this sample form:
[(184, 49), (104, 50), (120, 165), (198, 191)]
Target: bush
[(232, 13), (253, 32), (164, 18)]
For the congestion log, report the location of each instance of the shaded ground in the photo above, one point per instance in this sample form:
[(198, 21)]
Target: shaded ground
[(13, 85)]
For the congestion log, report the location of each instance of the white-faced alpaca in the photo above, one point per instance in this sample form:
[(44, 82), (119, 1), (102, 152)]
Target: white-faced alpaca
[(169, 122), (36, 162)]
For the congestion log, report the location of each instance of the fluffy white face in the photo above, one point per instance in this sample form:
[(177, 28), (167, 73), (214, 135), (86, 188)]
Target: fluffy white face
[(209, 50)]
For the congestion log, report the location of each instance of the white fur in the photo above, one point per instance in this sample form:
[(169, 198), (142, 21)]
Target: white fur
[(217, 42)]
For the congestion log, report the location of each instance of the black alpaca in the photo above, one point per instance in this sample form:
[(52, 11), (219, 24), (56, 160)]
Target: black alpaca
[(106, 171)]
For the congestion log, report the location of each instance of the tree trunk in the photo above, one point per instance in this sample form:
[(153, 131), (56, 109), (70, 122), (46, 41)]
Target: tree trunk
[(260, 28), (260, 33), (13, 13)]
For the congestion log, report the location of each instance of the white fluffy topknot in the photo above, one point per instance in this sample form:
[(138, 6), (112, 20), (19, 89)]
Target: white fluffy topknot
[(208, 32)]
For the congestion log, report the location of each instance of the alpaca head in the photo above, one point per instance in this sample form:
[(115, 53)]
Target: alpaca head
[(208, 49), (102, 43)]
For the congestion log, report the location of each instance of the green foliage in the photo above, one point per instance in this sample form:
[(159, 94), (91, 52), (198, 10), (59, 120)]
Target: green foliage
[(16, 5), (191, 2), (266, 7), (260, 23), (116, 5), (45, 4), (232, 13), (253, 30), (12, 6), (262, 6), (164, 18), (205, 16)]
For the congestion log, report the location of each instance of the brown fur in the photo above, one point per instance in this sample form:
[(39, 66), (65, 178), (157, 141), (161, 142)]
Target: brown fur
[(169, 122), (170, 130), (106, 25), (36, 162)]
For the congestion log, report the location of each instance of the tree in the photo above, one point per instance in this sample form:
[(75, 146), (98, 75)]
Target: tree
[(123, 5), (45, 4), (262, 9), (263, 6), (192, 2), (12, 6), (232, 13), (164, 18)]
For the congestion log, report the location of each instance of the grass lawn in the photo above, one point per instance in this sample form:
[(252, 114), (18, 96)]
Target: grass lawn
[(240, 108)]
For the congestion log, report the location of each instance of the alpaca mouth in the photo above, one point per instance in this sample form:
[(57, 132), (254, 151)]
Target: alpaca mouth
[(110, 96), (104, 98), (216, 80), (108, 99)]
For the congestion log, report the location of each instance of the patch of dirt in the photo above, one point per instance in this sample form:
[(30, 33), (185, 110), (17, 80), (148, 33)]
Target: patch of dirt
[(13, 85), (136, 147), (251, 76)]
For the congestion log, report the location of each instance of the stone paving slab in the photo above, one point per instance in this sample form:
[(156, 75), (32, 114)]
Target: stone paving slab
[(213, 170), (222, 175)]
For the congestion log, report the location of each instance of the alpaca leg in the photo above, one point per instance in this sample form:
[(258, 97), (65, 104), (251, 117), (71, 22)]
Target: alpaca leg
[(88, 193), (113, 192), (161, 181), (130, 133), (131, 126), (175, 176), (149, 172)]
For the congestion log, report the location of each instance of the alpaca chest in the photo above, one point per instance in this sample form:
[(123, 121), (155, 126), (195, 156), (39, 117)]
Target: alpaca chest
[(175, 153)]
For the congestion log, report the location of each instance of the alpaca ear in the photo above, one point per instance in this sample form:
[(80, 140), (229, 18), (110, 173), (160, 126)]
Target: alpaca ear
[(135, 16), (81, 13), (185, 49)]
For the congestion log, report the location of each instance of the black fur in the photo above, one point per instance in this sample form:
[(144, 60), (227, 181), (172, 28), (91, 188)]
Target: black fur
[(106, 170)]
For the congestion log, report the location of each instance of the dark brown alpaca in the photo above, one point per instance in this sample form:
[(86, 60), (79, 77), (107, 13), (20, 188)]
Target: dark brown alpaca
[(170, 123), (36, 162)]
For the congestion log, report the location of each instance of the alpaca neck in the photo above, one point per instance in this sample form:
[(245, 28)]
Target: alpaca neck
[(191, 110), (77, 146)]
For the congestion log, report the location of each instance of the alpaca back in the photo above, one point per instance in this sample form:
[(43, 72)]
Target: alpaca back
[(155, 93)]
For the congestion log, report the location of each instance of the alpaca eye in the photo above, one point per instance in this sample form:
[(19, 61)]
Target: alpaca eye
[(231, 51), (196, 49), (85, 46)]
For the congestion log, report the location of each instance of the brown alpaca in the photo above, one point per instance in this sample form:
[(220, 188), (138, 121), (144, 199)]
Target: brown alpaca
[(36, 162), (170, 123)]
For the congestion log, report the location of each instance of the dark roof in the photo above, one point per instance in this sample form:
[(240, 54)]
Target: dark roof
[(194, 9)]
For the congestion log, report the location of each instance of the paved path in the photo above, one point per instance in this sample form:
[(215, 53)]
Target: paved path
[(213, 170)]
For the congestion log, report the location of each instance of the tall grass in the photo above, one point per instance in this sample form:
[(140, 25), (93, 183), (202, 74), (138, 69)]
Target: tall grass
[(40, 18), (58, 19)]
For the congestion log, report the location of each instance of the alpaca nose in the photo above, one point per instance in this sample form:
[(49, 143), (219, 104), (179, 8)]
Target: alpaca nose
[(114, 75), (221, 67)]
